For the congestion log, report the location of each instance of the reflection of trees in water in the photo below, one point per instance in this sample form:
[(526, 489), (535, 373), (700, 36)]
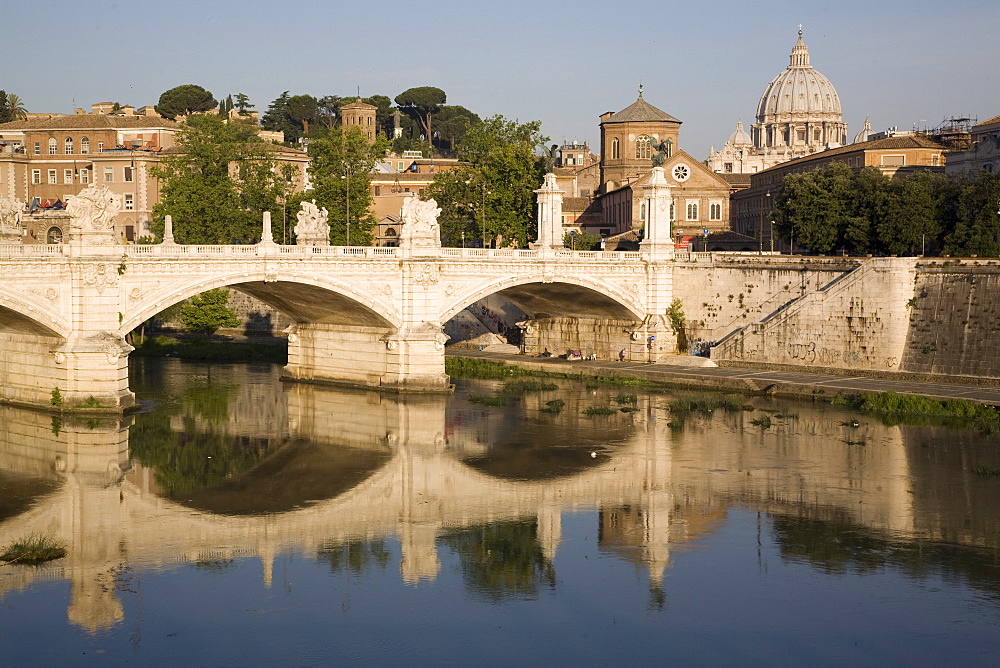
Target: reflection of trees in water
[(501, 560), (355, 556), (191, 459), (209, 402), (836, 546)]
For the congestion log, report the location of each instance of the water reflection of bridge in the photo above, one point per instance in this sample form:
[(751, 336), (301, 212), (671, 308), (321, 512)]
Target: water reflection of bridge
[(656, 488)]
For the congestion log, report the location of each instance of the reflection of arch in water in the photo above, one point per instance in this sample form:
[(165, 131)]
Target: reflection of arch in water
[(424, 490)]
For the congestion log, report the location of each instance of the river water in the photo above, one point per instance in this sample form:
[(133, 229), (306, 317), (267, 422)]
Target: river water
[(241, 521)]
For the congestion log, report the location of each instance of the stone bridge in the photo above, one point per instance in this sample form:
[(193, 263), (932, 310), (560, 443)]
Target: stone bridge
[(363, 316)]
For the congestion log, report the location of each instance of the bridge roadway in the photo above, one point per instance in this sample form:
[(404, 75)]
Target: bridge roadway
[(694, 373), (369, 317)]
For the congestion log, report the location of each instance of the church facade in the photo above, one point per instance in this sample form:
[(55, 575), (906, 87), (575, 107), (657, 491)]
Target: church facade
[(630, 139)]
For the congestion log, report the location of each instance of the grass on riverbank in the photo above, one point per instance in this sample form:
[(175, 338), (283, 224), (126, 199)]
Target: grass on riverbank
[(213, 350), (471, 367), (33, 549), (707, 404), (891, 405)]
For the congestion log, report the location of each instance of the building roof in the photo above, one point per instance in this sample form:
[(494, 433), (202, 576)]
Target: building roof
[(735, 180), (576, 203), (886, 143), (90, 121), (798, 89), (638, 111), (740, 137), (995, 119)]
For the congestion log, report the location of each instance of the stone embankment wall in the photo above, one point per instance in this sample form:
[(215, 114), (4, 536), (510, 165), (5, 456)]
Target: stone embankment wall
[(911, 315), (954, 319), (857, 321), (602, 337), (720, 294)]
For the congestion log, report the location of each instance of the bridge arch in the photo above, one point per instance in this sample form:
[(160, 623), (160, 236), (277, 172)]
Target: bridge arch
[(304, 299), (17, 314), (541, 295)]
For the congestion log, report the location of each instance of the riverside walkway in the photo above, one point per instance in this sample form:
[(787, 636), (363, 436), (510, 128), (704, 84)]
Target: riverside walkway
[(689, 372)]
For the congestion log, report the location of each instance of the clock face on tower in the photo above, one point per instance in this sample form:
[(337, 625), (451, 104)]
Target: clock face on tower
[(681, 172)]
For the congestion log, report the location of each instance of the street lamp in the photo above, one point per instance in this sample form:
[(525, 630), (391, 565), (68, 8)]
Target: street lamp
[(772, 236), (760, 227), (347, 179), (482, 222)]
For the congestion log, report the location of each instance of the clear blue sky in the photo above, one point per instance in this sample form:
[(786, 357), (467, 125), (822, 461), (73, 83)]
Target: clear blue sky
[(563, 63)]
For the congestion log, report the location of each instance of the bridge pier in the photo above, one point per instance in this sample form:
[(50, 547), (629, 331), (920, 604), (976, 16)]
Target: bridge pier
[(37, 369), (406, 360)]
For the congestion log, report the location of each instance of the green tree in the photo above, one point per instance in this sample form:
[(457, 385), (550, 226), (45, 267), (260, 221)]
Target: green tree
[(219, 183), (242, 104), (15, 107), (184, 100), (816, 206), (870, 204), (5, 115), (453, 122), (582, 241), (208, 312), (302, 110), (328, 110), (911, 217), (421, 104), (970, 215), (276, 118), (491, 198), (340, 170)]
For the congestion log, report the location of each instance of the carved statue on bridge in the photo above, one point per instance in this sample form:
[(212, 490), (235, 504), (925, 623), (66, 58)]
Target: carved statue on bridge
[(92, 214), (11, 231), (420, 226), (313, 228)]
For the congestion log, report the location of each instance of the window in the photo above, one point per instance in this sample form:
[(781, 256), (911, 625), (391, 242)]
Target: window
[(800, 135), (84, 176), (642, 211), (53, 146), (378, 190), (109, 174), (893, 160), (100, 146), (38, 148), (85, 145), (642, 148), (715, 211), (128, 174), (67, 176), (390, 232), (129, 202), (53, 236), (673, 212), (36, 176), (53, 177), (615, 149), (728, 168), (68, 146), (692, 210), (935, 160)]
